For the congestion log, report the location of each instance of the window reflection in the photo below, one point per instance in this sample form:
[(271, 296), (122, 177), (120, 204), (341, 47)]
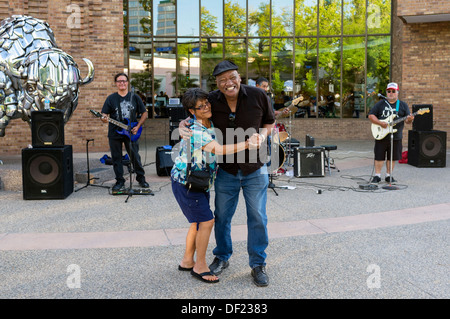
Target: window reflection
[(305, 75), (353, 77), (378, 16), (212, 18), (235, 18), (282, 68), (354, 16), (259, 58), (235, 50), (329, 77), (188, 17), (378, 60), (188, 74), (164, 63), (259, 18), (212, 53), (306, 17), (329, 17), (164, 15), (282, 18)]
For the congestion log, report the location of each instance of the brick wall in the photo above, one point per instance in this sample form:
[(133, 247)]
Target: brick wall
[(98, 38), (422, 7)]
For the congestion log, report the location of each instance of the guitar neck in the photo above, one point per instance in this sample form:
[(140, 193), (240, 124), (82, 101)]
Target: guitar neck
[(403, 118), (120, 124)]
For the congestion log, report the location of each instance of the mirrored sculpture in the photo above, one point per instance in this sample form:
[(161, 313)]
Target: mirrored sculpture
[(33, 70)]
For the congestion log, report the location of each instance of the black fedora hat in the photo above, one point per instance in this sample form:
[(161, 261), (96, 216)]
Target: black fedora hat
[(223, 66)]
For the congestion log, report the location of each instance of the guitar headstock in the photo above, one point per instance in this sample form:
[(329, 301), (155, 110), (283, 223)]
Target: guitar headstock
[(98, 114), (423, 111), (299, 99)]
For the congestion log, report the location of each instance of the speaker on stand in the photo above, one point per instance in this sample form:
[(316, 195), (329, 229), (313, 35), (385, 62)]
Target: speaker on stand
[(47, 128)]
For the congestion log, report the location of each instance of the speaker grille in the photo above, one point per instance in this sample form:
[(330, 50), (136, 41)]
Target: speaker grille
[(44, 170)]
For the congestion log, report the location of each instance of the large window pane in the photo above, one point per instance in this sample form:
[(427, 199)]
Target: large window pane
[(212, 53), (354, 16), (188, 18), (258, 58), (353, 76), (259, 18), (212, 18), (282, 68), (188, 75), (305, 17), (139, 19), (379, 16), (329, 17), (164, 63), (378, 60), (235, 50), (282, 18), (164, 18), (235, 18), (329, 76), (305, 74)]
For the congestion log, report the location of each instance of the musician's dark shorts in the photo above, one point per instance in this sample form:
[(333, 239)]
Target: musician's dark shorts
[(383, 149), (195, 205)]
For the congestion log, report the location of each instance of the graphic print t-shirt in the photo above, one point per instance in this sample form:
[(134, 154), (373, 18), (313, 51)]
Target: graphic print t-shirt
[(384, 109), (130, 106)]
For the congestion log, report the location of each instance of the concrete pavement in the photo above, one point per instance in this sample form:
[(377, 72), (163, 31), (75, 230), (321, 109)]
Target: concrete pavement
[(328, 238)]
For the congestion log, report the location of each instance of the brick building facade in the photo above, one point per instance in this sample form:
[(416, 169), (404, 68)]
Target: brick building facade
[(420, 59)]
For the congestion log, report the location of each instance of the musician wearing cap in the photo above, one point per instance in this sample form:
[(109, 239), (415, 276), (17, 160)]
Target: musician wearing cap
[(378, 116)]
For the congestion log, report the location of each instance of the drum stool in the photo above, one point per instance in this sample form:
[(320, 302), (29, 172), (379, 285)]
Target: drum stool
[(329, 161)]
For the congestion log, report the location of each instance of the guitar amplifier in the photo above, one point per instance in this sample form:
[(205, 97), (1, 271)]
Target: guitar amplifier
[(164, 162), (309, 162)]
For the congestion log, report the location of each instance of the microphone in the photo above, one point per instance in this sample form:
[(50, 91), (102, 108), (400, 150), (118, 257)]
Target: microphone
[(382, 96)]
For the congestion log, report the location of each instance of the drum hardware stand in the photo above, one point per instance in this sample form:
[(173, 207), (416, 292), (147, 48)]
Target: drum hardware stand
[(89, 178)]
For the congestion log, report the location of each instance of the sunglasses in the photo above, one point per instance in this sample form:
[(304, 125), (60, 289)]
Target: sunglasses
[(231, 120), (391, 91)]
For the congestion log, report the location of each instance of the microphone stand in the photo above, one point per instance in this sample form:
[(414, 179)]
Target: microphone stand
[(391, 131)]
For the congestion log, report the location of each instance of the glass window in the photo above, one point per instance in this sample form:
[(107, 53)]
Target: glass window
[(212, 18), (379, 16), (378, 62), (164, 64), (354, 16), (282, 18), (329, 17), (258, 18), (305, 17), (235, 18), (282, 69), (305, 74), (258, 58), (353, 57), (141, 21), (329, 77), (188, 74), (235, 50), (212, 53), (164, 11), (188, 18)]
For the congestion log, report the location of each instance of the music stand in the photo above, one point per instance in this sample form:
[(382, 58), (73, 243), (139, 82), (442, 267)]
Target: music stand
[(88, 170)]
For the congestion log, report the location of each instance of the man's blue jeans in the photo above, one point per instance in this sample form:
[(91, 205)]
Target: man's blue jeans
[(254, 187)]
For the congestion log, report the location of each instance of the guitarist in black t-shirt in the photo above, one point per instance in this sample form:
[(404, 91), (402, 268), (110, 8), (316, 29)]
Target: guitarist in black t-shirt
[(124, 107)]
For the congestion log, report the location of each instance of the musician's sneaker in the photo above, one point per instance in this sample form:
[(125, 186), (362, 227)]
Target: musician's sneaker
[(118, 186), (375, 180), (388, 179)]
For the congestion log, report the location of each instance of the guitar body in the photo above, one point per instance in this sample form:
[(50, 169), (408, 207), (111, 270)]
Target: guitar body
[(380, 132), (125, 132)]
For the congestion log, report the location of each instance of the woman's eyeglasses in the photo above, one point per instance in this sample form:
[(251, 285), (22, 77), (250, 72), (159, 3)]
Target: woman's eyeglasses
[(203, 106), (122, 81)]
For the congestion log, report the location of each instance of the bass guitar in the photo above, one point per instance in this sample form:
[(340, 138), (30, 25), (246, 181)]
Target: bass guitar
[(125, 128), (380, 132)]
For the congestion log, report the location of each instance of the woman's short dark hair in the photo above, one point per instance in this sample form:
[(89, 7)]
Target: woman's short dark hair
[(120, 74), (191, 97)]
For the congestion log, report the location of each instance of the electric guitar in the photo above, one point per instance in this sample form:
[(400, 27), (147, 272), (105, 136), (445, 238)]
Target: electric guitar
[(291, 106), (125, 128), (380, 132)]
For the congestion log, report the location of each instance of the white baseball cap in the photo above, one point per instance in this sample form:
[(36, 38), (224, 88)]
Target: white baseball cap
[(393, 86)]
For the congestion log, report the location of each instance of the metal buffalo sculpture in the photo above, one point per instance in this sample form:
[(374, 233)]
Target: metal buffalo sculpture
[(33, 69)]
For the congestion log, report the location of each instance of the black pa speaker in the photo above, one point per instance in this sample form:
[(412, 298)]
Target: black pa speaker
[(164, 160), (47, 173), (309, 162), (423, 122), (47, 128), (427, 148)]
